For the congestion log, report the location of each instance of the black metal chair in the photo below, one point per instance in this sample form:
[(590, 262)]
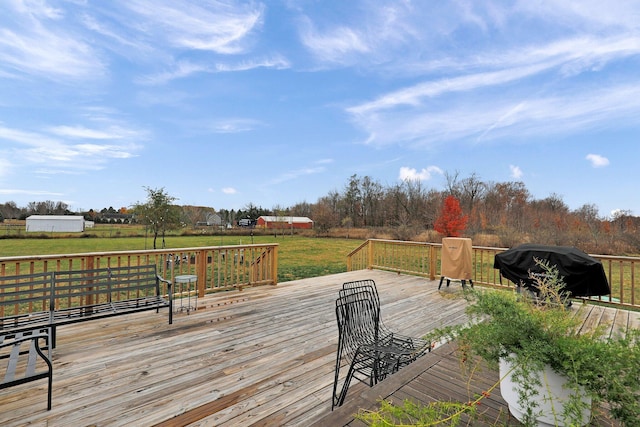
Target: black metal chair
[(417, 346), (369, 360), (370, 354)]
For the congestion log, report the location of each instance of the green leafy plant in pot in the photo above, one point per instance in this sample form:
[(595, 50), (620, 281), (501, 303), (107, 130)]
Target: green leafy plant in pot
[(530, 333)]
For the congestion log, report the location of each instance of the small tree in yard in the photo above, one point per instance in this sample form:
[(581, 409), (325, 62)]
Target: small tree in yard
[(451, 221), (159, 213)]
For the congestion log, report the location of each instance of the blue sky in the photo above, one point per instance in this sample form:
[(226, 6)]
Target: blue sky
[(227, 103)]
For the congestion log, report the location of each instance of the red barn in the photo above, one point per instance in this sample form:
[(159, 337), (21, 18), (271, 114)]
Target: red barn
[(280, 222)]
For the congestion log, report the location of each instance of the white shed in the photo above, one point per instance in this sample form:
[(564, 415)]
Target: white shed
[(55, 223)]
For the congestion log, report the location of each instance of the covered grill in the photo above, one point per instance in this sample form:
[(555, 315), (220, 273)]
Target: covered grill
[(583, 275)]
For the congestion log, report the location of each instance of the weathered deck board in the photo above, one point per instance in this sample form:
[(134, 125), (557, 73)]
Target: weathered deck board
[(433, 377), (262, 356)]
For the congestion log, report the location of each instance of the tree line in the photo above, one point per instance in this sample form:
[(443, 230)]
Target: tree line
[(500, 214), (10, 210), (189, 215)]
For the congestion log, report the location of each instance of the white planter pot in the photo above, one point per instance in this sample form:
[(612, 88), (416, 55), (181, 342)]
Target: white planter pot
[(551, 396)]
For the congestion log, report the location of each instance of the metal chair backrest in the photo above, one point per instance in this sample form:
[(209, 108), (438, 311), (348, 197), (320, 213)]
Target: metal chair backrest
[(367, 285), (360, 285), (358, 319)]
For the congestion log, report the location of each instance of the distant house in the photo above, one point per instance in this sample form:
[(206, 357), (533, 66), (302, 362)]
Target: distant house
[(55, 223), (212, 219), (298, 222)]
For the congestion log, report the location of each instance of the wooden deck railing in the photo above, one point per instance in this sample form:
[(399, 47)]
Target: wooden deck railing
[(217, 267), (424, 259)]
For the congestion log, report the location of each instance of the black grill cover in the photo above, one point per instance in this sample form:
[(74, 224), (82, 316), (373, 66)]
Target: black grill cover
[(583, 275)]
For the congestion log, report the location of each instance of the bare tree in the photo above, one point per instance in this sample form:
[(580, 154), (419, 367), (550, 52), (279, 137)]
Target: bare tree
[(588, 215), (325, 213), (352, 201), (10, 210), (453, 186), (301, 209), (193, 214), (472, 190), (372, 193)]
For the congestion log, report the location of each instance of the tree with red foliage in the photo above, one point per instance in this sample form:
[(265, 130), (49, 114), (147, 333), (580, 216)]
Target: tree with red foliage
[(451, 221)]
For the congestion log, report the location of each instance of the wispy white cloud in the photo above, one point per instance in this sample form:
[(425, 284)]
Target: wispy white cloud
[(276, 62), (25, 137), (184, 69), (75, 157), (362, 32), (335, 45), (38, 9), (5, 165), (74, 43), (113, 132), (48, 53), (412, 174), (229, 190), (180, 70), (595, 15), (17, 191), (233, 125), (568, 56), (414, 96), (597, 161), (516, 172), (97, 26), (53, 150), (501, 116), (528, 84), (221, 27), (296, 173)]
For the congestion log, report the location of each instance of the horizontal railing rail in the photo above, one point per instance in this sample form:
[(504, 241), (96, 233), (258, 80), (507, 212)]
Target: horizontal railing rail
[(424, 259), (217, 267)]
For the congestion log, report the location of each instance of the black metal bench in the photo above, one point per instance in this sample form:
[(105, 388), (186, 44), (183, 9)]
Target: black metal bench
[(32, 306), (51, 299), (23, 360), (25, 302)]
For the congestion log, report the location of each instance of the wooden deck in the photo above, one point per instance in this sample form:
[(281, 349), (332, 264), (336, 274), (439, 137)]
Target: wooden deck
[(438, 376), (261, 356)]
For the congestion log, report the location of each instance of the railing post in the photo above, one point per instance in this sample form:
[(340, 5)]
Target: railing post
[(274, 265), (433, 264), (201, 268), (370, 254), (90, 265)]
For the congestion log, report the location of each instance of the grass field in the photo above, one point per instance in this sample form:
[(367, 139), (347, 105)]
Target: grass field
[(299, 257)]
